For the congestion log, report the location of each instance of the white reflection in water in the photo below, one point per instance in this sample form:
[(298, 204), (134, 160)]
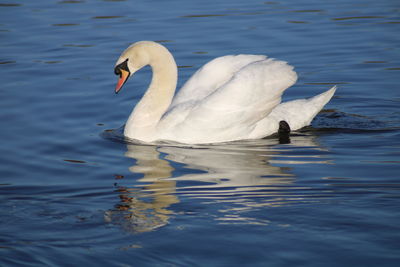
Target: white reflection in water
[(241, 174)]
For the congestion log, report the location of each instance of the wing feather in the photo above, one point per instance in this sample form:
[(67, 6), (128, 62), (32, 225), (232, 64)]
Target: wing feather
[(212, 76)]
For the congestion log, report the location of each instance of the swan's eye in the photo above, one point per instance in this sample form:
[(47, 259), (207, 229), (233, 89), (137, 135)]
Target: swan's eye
[(117, 71), (122, 66)]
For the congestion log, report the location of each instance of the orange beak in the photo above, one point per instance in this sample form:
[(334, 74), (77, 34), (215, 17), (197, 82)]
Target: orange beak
[(122, 80)]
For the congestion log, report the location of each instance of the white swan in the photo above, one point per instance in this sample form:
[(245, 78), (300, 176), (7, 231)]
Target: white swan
[(230, 98)]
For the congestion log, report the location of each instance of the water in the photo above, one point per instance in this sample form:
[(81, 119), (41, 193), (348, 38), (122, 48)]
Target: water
[(73, 193)]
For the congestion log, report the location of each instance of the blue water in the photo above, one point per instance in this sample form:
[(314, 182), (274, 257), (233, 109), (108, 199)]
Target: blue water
[(72, 192)]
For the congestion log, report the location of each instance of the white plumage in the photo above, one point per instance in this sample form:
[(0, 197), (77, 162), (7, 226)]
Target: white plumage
[(230, 98)]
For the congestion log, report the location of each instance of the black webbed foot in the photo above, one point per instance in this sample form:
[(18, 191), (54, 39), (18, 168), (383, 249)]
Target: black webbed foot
[(284, 132)]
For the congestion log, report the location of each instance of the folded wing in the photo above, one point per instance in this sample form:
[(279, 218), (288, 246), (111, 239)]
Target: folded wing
[(227, 104)]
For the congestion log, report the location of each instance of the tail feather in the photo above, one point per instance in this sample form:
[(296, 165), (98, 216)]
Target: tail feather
[(300, 113), (297, 113), (322, 99)]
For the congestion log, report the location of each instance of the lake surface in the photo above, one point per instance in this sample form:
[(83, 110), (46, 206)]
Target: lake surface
[(73, 192)]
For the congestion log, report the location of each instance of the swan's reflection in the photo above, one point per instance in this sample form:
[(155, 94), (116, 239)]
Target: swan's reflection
[(144, 208), (242, 174)]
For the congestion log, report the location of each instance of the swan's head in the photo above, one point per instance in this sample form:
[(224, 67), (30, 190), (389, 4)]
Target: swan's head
[(131, 60)]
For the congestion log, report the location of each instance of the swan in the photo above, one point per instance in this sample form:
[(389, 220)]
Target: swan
[(233, 97)]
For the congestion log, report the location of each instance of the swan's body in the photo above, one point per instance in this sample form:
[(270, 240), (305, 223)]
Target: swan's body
[(230, 98)]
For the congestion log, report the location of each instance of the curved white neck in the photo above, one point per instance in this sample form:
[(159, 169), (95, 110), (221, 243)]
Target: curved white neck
[(144, 118)]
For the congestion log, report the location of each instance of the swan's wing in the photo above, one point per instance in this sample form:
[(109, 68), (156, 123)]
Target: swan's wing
[(231, 111), (211, 76)]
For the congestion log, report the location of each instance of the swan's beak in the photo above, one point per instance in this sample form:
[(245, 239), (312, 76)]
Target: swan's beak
[(123, 77)]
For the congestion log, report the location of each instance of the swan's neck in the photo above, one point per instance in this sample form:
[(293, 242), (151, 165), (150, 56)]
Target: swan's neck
[(144, 118)]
